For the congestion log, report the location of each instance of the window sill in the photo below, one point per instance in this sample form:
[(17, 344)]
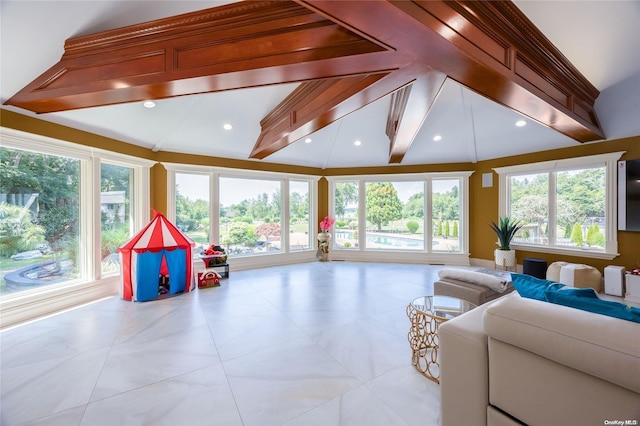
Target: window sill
[(566, 251)]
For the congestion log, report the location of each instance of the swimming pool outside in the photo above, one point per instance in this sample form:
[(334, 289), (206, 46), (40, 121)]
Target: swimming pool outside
[(375, 240)]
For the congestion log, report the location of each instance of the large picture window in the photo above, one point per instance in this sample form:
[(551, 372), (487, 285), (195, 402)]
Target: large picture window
[(565, 206), (64, 211), (39, 219), (415, 213), (250, 211), (392, 221), (247, 213)]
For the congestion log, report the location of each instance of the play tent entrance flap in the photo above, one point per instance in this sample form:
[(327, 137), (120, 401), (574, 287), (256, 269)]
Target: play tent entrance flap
[(155, 262)]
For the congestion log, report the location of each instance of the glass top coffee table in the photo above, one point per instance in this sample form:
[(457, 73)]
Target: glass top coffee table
[(426, 313)]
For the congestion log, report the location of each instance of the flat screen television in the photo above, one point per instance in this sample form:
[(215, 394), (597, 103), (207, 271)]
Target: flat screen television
[(629, 195)]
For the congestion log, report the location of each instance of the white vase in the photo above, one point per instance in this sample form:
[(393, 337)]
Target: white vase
[(324, 241), (505, 258)]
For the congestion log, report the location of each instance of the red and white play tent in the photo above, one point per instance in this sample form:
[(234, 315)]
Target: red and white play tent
[(159, 249)]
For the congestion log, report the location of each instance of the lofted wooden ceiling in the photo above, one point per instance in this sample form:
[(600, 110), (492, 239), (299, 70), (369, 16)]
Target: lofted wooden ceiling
[(345, 54)]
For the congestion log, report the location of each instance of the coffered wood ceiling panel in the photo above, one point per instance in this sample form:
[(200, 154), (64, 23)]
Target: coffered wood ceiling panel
[(346, 54)]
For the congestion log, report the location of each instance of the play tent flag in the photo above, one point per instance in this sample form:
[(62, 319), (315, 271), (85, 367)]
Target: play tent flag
[(159, 249)]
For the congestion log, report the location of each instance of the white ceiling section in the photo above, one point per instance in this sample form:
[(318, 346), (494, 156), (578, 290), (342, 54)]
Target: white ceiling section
[(601, 38)]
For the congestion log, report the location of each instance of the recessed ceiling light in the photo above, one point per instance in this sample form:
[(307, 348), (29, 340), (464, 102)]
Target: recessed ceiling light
[(521, 123), (357, 143), (307, 140), (437, 138), (149, 104), (227, 126)]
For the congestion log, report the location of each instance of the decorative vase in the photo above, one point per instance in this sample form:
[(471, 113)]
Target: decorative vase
[(324, 239), (505, 258)]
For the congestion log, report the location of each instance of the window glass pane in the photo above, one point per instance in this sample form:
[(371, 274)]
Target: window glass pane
[(39, 220), (389, 225), (192, 207), (446, 220), (250, 215), (530, 205), (345, 200), (299, 223), (115, 213), (581, 208)]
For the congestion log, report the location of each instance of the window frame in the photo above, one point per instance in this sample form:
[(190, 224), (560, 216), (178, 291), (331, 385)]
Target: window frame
[(460, 257), (139, 215), (285, 255), (91, 283), (608, 160), (90, 159), (312, 209)]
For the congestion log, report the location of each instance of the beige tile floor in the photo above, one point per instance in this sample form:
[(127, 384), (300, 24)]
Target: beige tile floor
[(309, 344)]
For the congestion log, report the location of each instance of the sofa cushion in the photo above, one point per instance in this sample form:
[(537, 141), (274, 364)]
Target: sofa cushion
[(605, 347), (530, 286), (578, 298), (587, 299)]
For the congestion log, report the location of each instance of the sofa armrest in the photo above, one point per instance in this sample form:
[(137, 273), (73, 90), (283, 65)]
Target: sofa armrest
[(599, 345), (464, 377)]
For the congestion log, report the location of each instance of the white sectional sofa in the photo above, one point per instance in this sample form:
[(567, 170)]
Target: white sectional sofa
[(517, 360)]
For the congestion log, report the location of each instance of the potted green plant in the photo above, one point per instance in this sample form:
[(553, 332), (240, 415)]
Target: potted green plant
[(505, 230)]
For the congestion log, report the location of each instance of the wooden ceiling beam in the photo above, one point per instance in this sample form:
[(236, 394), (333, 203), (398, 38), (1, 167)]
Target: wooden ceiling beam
[(315, 105), (367, 48), (240, 45), (410, 111), (310, 107), (490, 47)]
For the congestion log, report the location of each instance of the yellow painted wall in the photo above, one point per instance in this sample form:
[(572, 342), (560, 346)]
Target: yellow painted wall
[(483, 201), (323, 198), (158, 183), (12, 120)]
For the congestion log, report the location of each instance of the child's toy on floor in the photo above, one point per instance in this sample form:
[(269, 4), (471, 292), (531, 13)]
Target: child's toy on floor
[(208, 279)]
